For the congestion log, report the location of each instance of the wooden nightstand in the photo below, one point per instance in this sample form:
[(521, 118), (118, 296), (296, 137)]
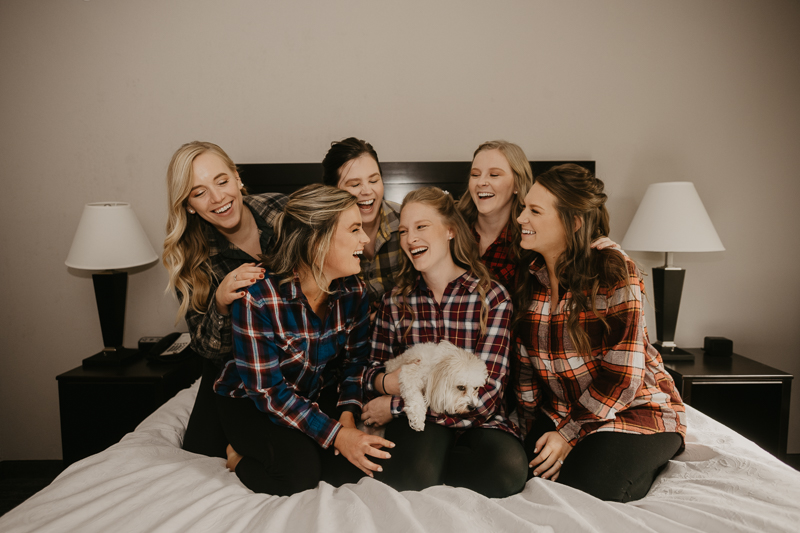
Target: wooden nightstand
[(749, 397), (100, 405)]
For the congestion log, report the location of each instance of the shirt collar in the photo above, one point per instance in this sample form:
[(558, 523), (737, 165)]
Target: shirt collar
[(218, 244), (538, 269), (292, 290), (468, 280)]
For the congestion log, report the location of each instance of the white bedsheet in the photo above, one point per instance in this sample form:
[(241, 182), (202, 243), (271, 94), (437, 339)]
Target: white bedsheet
[(722, 482)]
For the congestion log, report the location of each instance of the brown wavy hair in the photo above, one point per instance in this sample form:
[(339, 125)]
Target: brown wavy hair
[(580, 269)]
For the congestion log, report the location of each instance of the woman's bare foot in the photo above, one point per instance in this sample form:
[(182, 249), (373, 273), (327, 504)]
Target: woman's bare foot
[(233, 458)]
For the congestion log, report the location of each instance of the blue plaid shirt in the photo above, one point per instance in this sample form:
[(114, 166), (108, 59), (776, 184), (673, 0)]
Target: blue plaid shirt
[(284, 354)]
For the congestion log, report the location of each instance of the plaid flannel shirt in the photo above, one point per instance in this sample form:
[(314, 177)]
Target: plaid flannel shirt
[(285, 354), (622, 387), (378, 272), (500, 260), (211, 331), (457, 320)]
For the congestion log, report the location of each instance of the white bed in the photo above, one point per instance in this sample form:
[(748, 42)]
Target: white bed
[(722, 482)]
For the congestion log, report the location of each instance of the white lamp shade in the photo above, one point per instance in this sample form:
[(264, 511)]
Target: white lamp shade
[(672, 218), (109, 237)]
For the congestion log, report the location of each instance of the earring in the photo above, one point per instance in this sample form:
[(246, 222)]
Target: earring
[(191, 211), (515, 192)]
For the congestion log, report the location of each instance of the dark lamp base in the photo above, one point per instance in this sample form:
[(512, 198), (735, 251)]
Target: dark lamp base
[(110, 358), (671, 354)]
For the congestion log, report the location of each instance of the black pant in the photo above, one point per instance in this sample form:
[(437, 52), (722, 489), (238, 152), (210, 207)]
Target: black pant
[(611, 466), (277, 459), (488, 461), (204, 433)]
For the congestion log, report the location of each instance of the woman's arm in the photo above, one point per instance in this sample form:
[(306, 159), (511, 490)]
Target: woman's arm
[(622, 364), (356, 357), (211, 331), (526, 387)]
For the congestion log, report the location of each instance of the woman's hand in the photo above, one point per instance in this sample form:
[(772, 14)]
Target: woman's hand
[(356, 445), (231, 287), (604, 242), (554, 449), (377, 412)]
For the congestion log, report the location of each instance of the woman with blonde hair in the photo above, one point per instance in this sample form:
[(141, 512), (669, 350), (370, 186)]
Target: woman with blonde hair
[(289, 398), (444, 293), (600, 412), (215, 234), (500, 177)]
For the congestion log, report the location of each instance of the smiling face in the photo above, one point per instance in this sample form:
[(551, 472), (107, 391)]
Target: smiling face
[(424, 237), (347, 244), (361, 177), (541, 224), (491, 183), (215, 195)]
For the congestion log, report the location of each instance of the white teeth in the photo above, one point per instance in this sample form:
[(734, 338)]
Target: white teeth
[(417, 251), (528, 232), (224, 208), (485, 195), (367, 203), (359, 252)]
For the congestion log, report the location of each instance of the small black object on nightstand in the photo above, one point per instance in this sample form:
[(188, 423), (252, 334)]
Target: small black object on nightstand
[(718, 346)]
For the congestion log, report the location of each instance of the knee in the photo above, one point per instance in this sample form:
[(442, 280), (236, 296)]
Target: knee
[(496, 471), (508, 474)]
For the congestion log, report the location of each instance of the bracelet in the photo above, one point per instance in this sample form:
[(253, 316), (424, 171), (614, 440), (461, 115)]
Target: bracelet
[(383, 383)]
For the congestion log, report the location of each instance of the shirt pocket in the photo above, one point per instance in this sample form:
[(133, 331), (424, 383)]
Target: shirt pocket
[(294, 348)]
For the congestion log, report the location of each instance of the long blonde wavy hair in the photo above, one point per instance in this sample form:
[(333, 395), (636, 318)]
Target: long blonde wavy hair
[(523, 180), (303, 232), (185, 247), (463, 250)]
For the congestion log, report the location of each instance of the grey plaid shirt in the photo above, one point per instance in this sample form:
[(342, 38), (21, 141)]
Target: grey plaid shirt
[(211, 331)]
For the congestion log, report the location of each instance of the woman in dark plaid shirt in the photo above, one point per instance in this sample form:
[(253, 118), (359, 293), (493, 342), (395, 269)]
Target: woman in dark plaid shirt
[(600, 412), (352, 165), (444, 292), (289, 398), (215, 234)]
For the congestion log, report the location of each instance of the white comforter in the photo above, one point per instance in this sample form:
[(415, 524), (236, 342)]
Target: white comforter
[(722, 482)]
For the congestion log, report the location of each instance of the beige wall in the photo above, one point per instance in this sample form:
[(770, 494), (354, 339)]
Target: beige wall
[(95, 95)]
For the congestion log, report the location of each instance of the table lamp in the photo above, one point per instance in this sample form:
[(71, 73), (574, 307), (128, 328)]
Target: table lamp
[(109, 239), (671, 218)]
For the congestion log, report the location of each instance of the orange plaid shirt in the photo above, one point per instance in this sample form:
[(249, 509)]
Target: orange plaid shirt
[(622, 387)]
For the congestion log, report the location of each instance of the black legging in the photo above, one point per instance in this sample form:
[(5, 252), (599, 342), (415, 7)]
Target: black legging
[(488, 461), (611, 466), (278, 459), (204, 433)]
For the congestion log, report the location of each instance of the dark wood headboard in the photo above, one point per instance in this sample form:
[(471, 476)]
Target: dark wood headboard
[(398, 178)]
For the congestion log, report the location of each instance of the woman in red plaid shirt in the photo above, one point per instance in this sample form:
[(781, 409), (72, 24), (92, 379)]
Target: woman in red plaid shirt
[(600, 412), (499, 180), (444, 292)]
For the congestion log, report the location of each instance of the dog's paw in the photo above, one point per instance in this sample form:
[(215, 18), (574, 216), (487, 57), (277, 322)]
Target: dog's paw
[(416, 421)]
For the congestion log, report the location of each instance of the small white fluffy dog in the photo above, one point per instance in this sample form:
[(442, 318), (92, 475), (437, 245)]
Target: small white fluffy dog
[(440, 376)]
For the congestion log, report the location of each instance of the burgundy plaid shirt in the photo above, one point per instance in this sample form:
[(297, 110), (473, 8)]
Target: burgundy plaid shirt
[(457, 320), (500, 260), (623, 385)]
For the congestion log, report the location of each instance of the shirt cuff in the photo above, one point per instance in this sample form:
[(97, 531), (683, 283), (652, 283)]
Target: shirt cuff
[(398, 406)]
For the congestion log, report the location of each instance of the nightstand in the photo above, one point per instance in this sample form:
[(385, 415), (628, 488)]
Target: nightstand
[(100, 405), (749, 397)]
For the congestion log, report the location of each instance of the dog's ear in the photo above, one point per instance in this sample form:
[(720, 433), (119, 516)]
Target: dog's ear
[(440, 383)]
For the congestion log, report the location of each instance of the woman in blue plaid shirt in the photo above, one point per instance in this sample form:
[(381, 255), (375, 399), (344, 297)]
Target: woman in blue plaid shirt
[(444, 292), (289, 398)]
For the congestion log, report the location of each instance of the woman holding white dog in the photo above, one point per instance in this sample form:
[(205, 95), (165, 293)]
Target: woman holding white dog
[(444, 293), (599, 410), (289, 397)]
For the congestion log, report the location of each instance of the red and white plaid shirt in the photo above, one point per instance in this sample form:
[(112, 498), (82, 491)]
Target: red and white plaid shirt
[(457, 320), (622, 386)]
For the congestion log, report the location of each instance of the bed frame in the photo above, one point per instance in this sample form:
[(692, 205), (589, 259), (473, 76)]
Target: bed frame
[(399, 178)]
